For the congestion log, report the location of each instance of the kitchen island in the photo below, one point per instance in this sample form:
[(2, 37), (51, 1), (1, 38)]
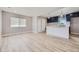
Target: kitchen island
[(57, 31)]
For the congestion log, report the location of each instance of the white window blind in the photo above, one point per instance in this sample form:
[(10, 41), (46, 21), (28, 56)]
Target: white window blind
[(22, 22), (14, 22), (18, 22)]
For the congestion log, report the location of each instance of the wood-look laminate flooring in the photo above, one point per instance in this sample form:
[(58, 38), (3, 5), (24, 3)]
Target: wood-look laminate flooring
[(39, 42)]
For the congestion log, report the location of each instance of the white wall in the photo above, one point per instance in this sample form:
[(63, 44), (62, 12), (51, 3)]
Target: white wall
[(0, 21), (34, 24), (0, 26)]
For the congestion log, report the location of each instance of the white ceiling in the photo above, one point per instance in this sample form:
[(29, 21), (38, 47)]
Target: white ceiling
[(31, 11), (40, 11), (65, 10)]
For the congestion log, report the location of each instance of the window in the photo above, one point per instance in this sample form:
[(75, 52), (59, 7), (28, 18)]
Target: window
[(18, 22), (22, 22)]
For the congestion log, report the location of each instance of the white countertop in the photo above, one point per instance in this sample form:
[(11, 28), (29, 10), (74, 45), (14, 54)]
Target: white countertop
[(57, 25)]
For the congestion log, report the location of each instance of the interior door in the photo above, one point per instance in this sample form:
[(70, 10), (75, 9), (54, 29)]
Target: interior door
[(39, 26), (43, 24)]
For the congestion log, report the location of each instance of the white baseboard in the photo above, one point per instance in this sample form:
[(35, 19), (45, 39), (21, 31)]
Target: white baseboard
[(11, 34)]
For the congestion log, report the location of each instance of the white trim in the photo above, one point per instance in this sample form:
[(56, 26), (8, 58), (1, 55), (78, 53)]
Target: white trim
[(11, 34)]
